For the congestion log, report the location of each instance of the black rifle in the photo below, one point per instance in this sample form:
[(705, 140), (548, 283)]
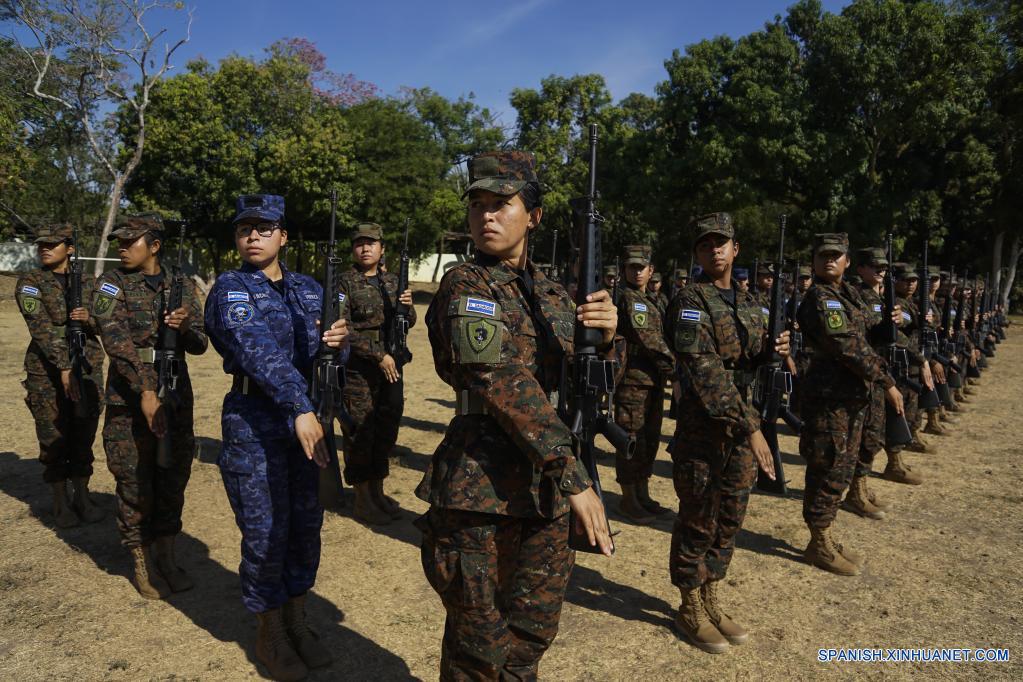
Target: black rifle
[(76, 338), (774, 383), (397, 336), (167, 362), (930, 398), (795, 336), (587, 380), (948, 337), (754, 285), (897, 430), (615, 294)]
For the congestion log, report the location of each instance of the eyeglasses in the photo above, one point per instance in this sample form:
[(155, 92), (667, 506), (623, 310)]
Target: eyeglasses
[(264, 229)]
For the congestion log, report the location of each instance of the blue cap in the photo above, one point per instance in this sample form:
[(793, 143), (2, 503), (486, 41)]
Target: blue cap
[(741, 274), (269, 207), (697, 271)]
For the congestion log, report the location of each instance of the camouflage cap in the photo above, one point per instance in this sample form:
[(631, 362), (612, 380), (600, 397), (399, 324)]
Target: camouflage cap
[(804, 271), (765, 269), (504, 173), (656, 277), (611, 270), (905, 271), (368, 231), (133, 227), (741, 274), (681, 273), (872, 255), (714, 223), (268, 207), (53, 233), (636, 253), (831, 242), (933, 272)]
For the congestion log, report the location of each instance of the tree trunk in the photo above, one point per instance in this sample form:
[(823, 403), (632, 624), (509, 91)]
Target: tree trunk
[(116, 190), (1010, 277), (996, 259)]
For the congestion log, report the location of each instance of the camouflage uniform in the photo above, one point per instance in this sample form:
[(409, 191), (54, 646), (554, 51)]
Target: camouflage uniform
[(495, 539), (872, 441), (65, 438), (639, 398), (718, 345), (836, 391), (909, 339), (374, 404), (127, 308)]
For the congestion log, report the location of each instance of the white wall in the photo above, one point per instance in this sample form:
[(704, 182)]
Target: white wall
[(423, 271)]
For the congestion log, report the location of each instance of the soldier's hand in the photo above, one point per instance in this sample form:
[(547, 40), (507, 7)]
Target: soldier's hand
[(897, 314), (781, 344), (600, 313), (309, 432), (79, 315), (793, 370), (925, 374), (389, 369), (591, 519), (894, 398), (154, 413), (938, 370), (930, 317), (70, 385), (406, 297), (762, 453), (177, 319), (337, 335)]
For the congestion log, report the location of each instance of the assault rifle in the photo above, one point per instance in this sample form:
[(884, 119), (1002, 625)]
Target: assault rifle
[(930, 398), (948, 336), (167, 361), (615, 293), (397, 335), (554, 256), (774, 383), (897, 430), (795, 336), (76, 338), (587, 380)]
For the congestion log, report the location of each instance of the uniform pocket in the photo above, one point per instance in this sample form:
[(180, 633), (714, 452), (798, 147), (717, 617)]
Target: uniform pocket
[(692, 478), (240, 457)]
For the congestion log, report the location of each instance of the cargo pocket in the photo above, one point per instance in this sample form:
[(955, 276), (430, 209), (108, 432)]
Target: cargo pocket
[(692, 478), (239, 457)]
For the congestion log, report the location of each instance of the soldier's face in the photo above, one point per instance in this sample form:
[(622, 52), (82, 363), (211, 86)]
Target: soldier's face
[(256, 249), (765, 282), (52, 254), (638, 274), (743, 284), (935, 285), (715, 254), (656, 286), (906, 287), (870, 274), (830, 265), (367, 252), (135, 252), (499, 224), (804, 282)]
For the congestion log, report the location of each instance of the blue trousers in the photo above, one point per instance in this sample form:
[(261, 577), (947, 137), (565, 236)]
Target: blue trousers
[(277, 508)]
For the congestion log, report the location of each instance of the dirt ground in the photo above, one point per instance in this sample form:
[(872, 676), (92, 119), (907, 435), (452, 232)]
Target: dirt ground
[(944, 570)]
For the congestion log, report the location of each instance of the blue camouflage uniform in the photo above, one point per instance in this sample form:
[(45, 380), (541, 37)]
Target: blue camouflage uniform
[(268, 341)]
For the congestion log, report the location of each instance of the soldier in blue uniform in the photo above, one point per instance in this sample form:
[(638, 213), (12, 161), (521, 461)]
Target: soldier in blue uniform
[(264, 320)]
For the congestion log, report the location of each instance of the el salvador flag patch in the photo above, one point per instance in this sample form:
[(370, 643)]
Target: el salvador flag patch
[(109, 289), (233, 296), (478, 305), (340, 297), (877, 307), (907, 317), (767, 311), (691, 315), (31, 291), (641, 307), (833, 305)]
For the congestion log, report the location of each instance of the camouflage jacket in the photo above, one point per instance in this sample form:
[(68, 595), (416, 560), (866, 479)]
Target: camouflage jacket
[(873, 314), (127, 310), (661, 301), (509, 452), (42, 299), (718, 347), (649, 360), (369, 315), (909, 332), (843, 363)]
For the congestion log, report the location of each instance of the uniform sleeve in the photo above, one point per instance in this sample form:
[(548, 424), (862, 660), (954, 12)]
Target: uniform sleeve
[(40, 326), (495, 373), (194, 340), (696, 350), (826, 321), (239, 330), (111, 313), (636, 324), (88, 293)]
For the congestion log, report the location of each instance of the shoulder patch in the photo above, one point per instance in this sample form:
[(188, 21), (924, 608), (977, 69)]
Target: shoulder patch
[(109, 289), (29, 304), (641, 307), (240, 313), (835, 320), (906, 316), (233, 296), (29, 290), (480, 306), (639, 319), (690, 315), (833, 305), (765, 311), (878, 307), (341, 297)]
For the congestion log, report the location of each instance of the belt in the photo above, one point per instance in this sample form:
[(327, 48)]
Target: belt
[(371, 334), (469, 403), (242, 384)]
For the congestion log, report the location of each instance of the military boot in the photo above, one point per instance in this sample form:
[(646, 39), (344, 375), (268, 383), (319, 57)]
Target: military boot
[(858, 502), (365, 508), (874, 499), (648, 503), (934, 426), (733, 632), (163, 554), (274, 649), (945, 414), (823, 552), (968, 388), (147, 579), (921, 445), (63, 515), (83, 503), (960, 398), (693, 623), (631, 508), (386, 504), (303, 637), (900, 472)]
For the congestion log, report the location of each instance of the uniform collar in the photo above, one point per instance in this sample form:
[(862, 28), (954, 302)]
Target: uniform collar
[(255, 276), (502, 274)]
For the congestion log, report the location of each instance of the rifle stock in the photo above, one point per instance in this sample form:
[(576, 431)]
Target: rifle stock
[(168, 364)]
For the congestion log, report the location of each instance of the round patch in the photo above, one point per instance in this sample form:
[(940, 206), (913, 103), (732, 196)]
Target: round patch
[(835, 320), (29, 304), (240, 313)]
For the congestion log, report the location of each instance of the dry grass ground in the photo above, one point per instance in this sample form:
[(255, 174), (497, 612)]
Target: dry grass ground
[(944, 569)]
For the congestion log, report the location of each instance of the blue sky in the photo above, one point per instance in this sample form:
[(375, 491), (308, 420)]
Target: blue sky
[(487, 49)]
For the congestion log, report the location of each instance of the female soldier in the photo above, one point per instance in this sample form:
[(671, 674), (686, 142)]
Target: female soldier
[(835, 398), (717, 332), (495, 539), (66, 427), (263, 320), (127, 306)]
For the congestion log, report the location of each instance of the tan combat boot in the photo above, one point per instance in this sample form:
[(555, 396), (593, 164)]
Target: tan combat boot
[(83, 503), (823, 552), (163, 554), (147, 579), (365, 508), (968, 388), (693, 623), (303, 637), (945, 414), (386, 504), (874, 499), (921, 445), (934, 426), (631, 508), (858, 501), (733, 632), (648, 503), (63, 515), (274, 649), (900, 472)]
